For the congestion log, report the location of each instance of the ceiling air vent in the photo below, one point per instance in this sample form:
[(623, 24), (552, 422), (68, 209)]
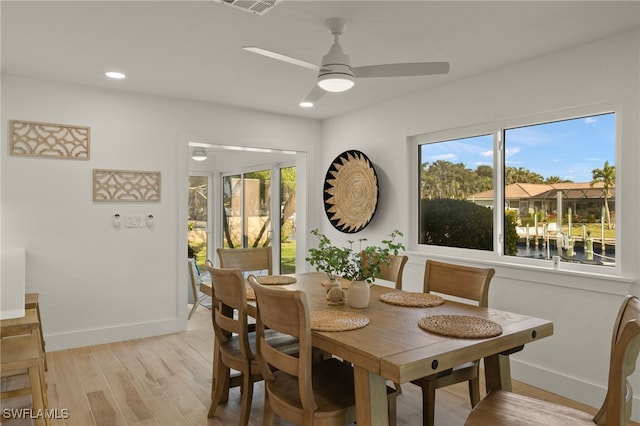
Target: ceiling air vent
[(259, 7)]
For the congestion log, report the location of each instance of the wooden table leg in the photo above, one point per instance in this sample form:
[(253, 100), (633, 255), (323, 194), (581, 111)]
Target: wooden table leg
[(497, 372), (371, 398)]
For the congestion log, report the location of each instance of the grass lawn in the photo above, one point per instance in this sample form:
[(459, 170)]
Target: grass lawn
[(595, 228), (288, 257)]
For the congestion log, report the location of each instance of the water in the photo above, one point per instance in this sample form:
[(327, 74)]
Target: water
[(540, 252)]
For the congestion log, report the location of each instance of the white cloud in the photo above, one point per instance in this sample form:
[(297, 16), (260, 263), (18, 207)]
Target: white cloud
[(446, 157), (510, 152)]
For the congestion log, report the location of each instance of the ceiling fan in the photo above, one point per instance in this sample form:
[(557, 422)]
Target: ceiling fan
[(335, 73)]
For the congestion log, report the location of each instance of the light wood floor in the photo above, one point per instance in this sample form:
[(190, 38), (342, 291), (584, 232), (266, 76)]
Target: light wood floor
[(166, 381)]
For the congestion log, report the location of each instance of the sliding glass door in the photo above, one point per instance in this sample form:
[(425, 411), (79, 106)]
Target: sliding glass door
[(250, 201), (287, 220), (246, 216), (198, 218)]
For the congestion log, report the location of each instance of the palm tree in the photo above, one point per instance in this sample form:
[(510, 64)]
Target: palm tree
[(606, 175)]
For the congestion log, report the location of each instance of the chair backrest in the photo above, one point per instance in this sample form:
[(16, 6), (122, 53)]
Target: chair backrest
[(457, 280), (392, 271), (247, 260), (285, 311), (193, 275), (229, 307), (625, 346)]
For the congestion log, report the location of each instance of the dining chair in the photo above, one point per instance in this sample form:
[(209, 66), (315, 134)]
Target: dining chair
[(464, 282), (247, 259), (502, 408), (31, 301), (298, 389), (195, 279), (22, 353), (392, 271), (234, 344)]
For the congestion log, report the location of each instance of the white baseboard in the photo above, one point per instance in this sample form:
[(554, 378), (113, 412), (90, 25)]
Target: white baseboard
[(98, 336), (569, 387)]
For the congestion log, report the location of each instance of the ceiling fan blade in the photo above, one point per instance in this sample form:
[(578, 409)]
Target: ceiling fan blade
[(316, 93), (280, 57), (402, 70)]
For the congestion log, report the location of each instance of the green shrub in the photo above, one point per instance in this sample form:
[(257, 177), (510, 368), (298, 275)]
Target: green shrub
[(526, 220), (511, 235), (456, 223)]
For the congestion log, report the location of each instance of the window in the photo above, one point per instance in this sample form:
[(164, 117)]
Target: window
[(456, 177), (549, 192), (562, 175), (198, 219)]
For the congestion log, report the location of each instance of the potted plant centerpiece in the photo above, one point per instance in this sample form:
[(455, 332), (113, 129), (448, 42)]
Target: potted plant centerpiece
[(361, 266)]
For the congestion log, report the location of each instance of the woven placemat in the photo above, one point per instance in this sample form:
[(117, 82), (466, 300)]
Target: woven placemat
[(327, 320), (406, 298), (460, 326), (251, 295), (275, 279)]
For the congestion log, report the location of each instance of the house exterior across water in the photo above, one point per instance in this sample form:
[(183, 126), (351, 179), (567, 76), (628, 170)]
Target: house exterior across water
[(586, 201)]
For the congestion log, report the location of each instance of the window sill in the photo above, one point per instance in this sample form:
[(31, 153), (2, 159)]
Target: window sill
[(601, 279)]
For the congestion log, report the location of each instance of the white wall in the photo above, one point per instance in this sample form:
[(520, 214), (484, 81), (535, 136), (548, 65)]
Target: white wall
[(98, 284), (574, 362)]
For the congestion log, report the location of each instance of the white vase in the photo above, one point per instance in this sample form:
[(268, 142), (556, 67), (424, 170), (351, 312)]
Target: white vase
[(358, 294)]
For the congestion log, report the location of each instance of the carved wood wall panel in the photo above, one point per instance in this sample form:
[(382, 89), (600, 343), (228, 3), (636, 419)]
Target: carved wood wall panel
[(34, 139), (125, 185)]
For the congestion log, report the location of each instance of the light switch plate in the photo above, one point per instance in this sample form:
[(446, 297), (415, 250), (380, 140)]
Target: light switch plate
[(134, 222)]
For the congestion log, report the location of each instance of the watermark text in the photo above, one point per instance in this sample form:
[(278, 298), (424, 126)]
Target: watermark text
[(30, 413)]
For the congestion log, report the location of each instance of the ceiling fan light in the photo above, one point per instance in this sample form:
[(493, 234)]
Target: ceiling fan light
[(335, 82), (199, 154), (335, 74)]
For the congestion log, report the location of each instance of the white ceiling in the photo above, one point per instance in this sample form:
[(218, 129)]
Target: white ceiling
[(192, 49)]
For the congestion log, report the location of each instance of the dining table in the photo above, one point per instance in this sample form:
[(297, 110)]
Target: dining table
[(393, 347)]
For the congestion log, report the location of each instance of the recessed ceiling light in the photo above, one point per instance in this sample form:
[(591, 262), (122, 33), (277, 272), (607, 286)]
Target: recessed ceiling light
[(115, 74), (199, 154), (306, 104)]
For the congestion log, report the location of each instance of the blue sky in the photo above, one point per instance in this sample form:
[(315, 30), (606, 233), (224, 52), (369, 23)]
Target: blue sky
[(570, 149)]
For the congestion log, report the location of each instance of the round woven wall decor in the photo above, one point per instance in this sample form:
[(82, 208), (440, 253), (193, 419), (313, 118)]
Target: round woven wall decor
[(350, 192)]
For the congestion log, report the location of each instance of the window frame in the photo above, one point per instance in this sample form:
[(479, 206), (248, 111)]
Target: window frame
[(497, 128), (209, 177)]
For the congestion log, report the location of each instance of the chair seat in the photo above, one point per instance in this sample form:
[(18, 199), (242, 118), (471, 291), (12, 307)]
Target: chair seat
[(231, 348), (333, 390), (502, 408)]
